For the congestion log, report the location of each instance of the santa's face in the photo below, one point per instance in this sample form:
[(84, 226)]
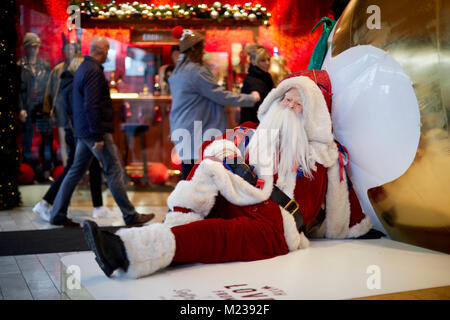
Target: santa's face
[(280, 144), (293, 100)]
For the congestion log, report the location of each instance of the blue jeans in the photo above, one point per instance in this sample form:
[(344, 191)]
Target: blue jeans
[(112, 170), (95, 175)]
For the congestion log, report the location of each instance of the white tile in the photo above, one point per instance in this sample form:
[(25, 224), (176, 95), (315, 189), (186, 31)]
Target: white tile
[(55, 276), (25, 226), (31, 215), (50, 261), (5, 217), (20, 217), (31, 268), (14, 287), (52, 265), (8, 266), (9, 259), (43, 290), (8, 225), (26, 260), (37, 278), (35, 275)]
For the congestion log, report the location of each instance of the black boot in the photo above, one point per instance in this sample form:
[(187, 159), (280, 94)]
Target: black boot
[(109, 249)]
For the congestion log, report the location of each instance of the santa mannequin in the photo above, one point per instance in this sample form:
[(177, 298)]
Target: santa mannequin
[(254, 195)]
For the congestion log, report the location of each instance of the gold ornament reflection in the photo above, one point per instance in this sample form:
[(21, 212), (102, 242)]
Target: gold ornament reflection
[(278, 69), (414, 208)]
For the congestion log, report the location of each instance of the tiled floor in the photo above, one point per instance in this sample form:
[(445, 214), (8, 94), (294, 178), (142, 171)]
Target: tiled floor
[(30, 277), (38, 276)]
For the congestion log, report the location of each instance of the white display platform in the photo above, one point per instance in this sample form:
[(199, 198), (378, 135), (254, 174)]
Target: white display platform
[(328, 269)]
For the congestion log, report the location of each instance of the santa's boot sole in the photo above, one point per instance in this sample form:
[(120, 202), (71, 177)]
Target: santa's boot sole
[(91, 235)]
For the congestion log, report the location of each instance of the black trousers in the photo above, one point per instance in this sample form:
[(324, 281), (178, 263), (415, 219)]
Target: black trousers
[(95, 175), (186, 167)]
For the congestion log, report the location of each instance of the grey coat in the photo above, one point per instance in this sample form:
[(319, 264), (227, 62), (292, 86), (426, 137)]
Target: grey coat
[(196, 96)]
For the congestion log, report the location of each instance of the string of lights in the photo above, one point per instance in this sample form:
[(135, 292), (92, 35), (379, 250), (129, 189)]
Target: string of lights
[(136, 10)]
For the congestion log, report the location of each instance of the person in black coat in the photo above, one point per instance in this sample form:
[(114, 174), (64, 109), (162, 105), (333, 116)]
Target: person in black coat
[(42, 208), (92, 115), (258, 79)]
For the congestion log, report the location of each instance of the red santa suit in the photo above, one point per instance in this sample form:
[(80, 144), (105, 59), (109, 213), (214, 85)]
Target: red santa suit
[(217, 216)]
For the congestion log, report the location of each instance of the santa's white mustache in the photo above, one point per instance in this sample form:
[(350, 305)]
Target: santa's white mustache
[(280, 143)]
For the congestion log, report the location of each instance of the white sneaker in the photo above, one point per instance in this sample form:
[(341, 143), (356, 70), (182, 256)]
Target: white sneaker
[(42, 209), (102, 212)]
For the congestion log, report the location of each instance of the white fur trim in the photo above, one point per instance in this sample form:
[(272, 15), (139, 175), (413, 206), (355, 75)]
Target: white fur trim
[(337, 205), (325, 154), (221, 149), (174, 219), (337, 219), (291, 235), (149, 248), (199, 193), (355, 231), (315, 111), (361, 228), (304, 242)]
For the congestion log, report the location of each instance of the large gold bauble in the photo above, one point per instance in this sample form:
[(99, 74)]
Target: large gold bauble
[(415, 207)]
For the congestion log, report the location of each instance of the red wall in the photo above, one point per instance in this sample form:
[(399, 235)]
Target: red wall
[(291, 23)]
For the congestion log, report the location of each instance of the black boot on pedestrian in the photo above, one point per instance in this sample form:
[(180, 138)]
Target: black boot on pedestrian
[(109, 249), (140, 219)]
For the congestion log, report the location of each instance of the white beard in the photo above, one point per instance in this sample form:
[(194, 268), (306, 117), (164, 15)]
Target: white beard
[(280, 143)]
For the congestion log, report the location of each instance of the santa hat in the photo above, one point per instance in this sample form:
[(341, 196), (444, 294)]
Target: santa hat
[(188, 38), (315, 110)]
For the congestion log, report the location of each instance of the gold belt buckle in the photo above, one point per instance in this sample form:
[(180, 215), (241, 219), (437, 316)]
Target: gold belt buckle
[(289, 203)]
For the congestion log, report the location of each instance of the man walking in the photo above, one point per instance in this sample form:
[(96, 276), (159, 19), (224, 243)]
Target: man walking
[(93, 127)]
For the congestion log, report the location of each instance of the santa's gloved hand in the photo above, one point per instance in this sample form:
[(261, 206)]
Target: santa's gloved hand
[(239, 167)]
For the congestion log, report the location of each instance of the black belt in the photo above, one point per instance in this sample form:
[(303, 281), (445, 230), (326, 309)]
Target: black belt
[(278, 196), (288, 204)]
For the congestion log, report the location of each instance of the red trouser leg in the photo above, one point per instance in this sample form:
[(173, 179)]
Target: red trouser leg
[(256, 232)]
